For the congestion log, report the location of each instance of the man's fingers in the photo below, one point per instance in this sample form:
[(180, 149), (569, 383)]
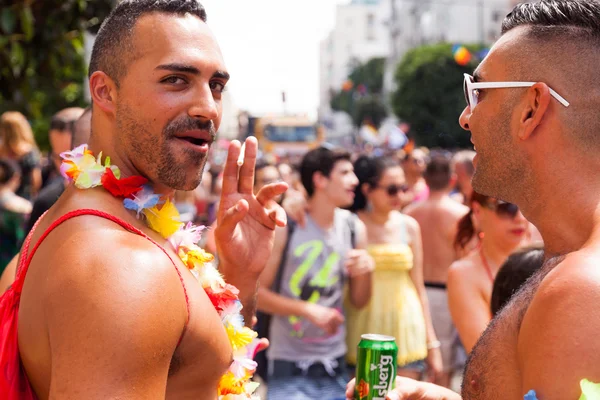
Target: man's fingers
[(231, 218), (270, 191), (230, 172), (246, 175), (350, 390), (277, 215)]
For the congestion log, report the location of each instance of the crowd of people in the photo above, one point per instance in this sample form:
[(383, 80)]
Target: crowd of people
[(425, 245)]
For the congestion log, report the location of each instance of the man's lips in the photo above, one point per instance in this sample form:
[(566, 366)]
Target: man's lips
[(197, 137)]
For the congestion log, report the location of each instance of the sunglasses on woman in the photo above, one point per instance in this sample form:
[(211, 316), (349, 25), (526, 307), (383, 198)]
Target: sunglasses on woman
[(392, 190), (503, 209)]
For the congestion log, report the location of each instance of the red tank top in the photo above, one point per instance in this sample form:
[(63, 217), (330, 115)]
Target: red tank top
[(14, 384)]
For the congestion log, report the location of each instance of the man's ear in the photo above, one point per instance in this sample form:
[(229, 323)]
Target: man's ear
[(103, 91), (319, 180), (537, 101)]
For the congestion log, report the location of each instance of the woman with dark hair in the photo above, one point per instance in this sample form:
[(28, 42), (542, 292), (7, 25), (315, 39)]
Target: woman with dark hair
[(519, 267), (398, 305), (500, 229)]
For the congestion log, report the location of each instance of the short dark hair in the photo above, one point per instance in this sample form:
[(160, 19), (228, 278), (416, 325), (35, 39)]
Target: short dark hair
[(438, 172), (8, 169), (547, 18), (113, 48), (321, 159), (369, 170), (515, 271), (82, 129)]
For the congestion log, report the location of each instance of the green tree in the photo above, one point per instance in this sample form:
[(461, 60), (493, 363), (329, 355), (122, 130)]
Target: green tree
[(364, 99), (429, 95), (42, 56)]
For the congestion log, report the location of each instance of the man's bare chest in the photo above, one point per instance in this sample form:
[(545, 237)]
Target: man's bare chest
[(492, 370)]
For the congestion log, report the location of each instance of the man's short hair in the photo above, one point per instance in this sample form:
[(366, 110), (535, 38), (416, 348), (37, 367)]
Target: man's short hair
[(438, 173), (113, 48), (63, 120), (321, 159), (570, 19), (82, 128)]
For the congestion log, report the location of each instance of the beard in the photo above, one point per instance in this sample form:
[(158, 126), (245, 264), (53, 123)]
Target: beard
[(158, 158), (499, 172)]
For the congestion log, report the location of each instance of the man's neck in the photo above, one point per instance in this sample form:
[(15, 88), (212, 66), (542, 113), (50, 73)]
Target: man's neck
[(104, 143), (321, 210), (438, 195), (566, 212)]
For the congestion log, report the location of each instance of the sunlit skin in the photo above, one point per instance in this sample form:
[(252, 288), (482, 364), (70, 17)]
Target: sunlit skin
[(103, 310), (469, 285), (546, 337)]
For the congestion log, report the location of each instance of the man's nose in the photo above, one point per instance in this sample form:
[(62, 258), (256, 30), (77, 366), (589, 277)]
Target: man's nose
[(463, 120), (204, 105)]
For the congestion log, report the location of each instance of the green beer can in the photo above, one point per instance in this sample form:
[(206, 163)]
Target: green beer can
[(375, 367)]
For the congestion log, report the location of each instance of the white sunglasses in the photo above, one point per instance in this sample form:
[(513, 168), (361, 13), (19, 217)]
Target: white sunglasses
[(471, 89)]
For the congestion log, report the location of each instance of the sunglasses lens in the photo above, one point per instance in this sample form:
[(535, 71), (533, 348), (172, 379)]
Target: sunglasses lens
[(392, 190), (466, 91), (507, 210)]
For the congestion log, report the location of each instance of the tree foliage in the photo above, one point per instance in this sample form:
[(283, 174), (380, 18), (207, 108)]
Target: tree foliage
[(364, 98), (430, 94), (42, 56)]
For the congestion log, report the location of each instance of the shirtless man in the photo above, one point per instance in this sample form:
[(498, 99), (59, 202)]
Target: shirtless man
[(528, 142), (103, 313), (438, 217)]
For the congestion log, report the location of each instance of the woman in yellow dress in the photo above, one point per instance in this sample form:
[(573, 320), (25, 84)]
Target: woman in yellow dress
[(398, 306)]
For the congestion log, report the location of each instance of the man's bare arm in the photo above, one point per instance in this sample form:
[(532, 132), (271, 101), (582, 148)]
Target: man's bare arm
[(360, 283), (114, 320)]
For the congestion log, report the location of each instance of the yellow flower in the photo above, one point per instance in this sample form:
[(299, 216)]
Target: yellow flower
[(239, 337), (165, 220), (194, 256), (229, 384)]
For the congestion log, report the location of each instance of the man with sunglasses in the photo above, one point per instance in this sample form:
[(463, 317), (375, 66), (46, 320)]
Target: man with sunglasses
[(438, 217), (533, 115)]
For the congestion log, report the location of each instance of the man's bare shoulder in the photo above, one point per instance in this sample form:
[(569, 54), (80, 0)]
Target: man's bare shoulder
[(558, 334), (88, 255), (455, 208)]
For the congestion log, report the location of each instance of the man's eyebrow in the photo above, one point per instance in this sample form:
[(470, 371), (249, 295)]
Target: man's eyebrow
[(477, 76), (179, 68), (221, 75)]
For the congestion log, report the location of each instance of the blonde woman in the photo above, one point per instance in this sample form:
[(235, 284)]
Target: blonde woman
[(18, 144)]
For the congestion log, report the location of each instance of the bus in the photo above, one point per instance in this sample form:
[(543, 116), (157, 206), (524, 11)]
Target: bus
[(287, 135)]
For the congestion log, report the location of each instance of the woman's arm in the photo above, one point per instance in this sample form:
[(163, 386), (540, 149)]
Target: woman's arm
[(470, 311)]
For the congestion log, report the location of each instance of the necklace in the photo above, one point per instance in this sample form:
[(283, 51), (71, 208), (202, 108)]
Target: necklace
[(86, 171), (486, 265)]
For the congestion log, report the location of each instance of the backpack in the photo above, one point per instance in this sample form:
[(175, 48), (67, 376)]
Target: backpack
[(263, 319)]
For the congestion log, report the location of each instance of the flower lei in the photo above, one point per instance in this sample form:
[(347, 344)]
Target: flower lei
[(86, 171)]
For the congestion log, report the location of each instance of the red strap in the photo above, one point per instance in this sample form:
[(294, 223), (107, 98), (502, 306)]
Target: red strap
[(25, 248), (18, 285)]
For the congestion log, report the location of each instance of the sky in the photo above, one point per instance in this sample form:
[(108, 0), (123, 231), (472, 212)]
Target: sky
[(272, 46)]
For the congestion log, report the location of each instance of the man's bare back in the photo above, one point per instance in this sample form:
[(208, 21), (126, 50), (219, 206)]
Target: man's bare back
[(86, 300), (438, 218)]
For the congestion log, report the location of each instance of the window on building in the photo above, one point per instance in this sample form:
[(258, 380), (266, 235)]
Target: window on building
[(370, 27)]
